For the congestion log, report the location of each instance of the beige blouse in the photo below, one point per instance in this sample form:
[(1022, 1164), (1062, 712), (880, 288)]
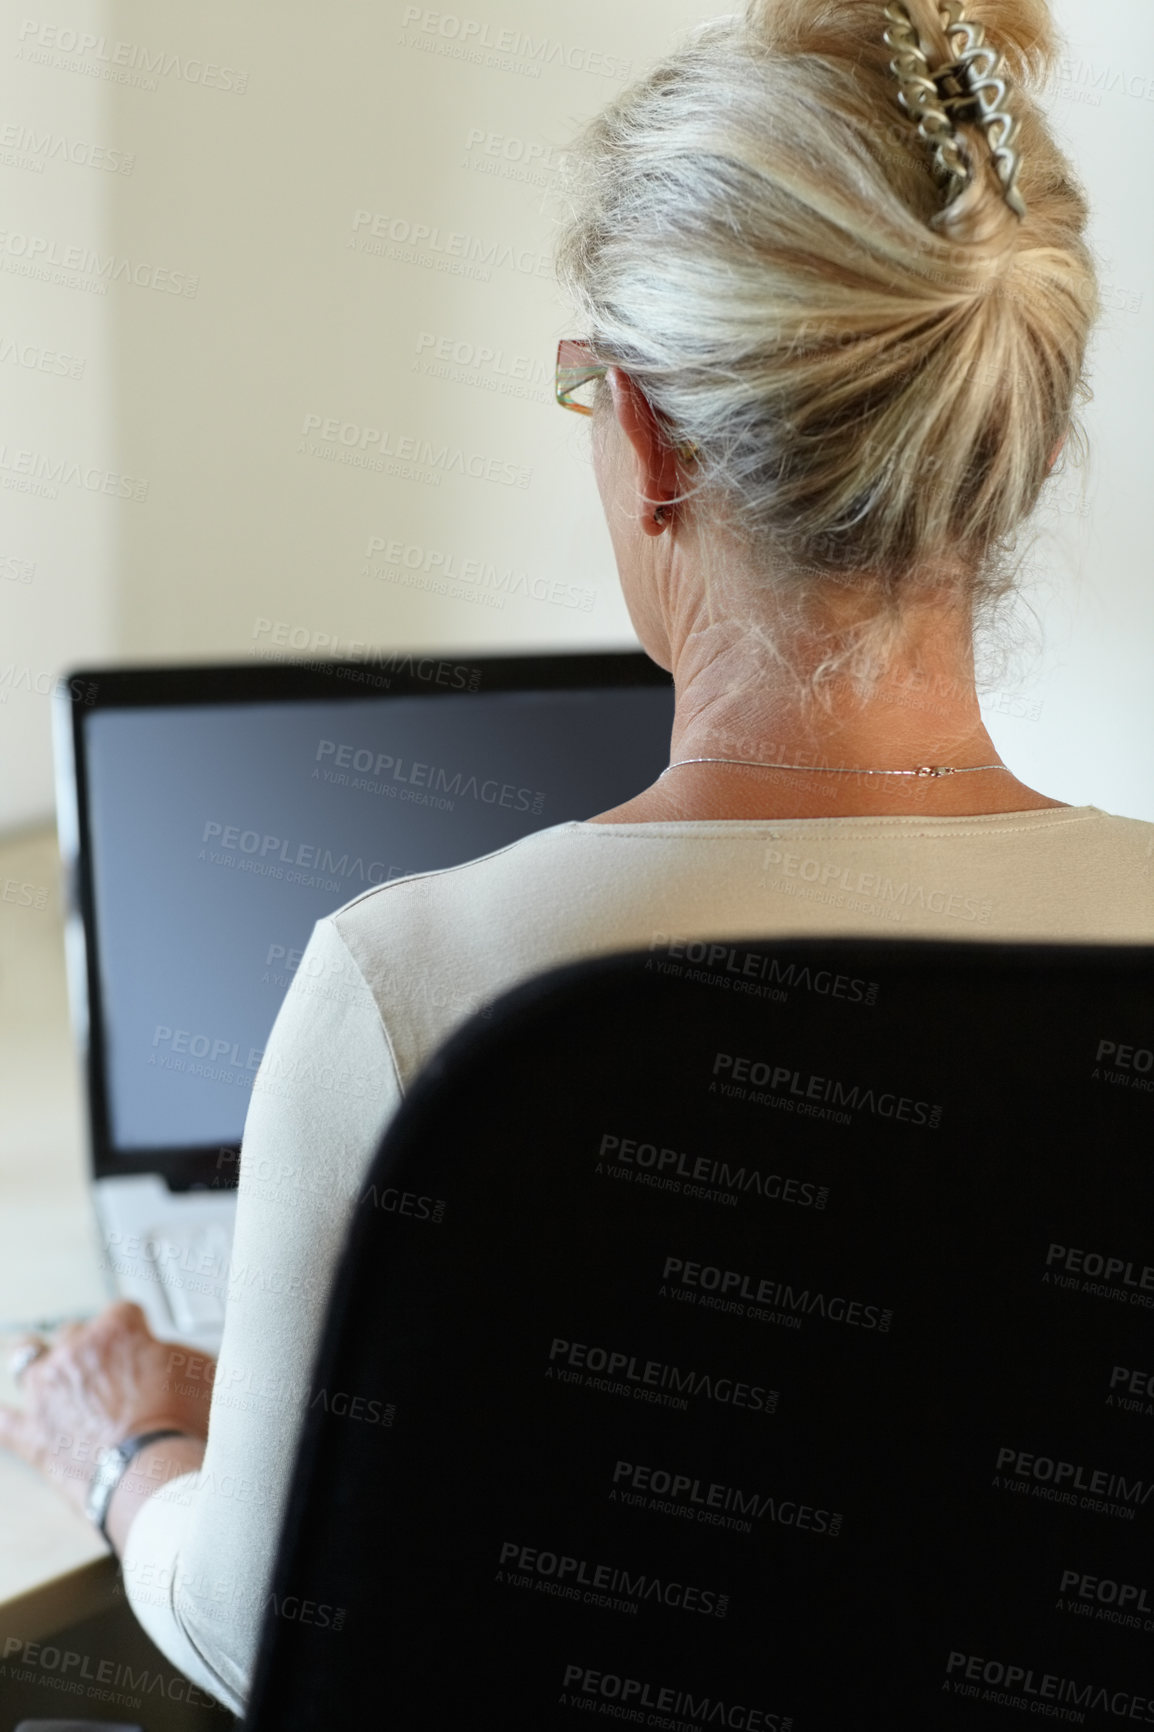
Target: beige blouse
[(387, 977)]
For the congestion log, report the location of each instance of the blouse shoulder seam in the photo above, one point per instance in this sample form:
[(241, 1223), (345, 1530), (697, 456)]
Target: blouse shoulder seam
[(332, 920), (439, 871), (708, 832)]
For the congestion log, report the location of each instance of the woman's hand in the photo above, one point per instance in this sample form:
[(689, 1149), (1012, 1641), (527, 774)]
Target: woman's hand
[(98, 1383)]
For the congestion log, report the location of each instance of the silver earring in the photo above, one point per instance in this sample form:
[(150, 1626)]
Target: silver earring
[(661, 515)]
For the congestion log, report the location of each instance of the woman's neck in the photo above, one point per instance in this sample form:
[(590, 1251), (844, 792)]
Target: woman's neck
[(767, 797), (924, 712)]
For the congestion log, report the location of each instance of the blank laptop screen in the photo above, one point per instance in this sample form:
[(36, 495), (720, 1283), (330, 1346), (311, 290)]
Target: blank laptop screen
[(219, 833)]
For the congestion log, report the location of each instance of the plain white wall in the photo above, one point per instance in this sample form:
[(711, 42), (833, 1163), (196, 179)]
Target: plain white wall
[(312, 219), (58, 406)]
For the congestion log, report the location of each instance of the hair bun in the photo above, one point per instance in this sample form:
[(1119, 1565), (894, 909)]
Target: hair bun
[(874, 380), (1023, 31)]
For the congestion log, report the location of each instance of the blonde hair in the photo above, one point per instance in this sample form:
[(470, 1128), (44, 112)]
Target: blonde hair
[(875, 385)]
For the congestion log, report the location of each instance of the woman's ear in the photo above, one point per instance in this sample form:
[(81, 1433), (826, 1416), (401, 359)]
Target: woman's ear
[(657, 477), (1058, 449)]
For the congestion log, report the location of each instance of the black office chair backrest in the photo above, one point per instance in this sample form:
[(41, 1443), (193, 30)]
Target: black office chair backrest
[(752, 1336)]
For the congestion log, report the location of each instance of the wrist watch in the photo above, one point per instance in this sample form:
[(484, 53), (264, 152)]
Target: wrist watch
[(110, 1465)]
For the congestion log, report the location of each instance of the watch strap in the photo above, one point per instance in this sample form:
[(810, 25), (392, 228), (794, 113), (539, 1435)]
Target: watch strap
[(111, 1464)]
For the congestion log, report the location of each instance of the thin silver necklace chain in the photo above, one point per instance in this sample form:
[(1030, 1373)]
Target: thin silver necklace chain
[(830, 770)]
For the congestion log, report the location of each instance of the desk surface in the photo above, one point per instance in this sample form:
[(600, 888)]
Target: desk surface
[(54, 1568)]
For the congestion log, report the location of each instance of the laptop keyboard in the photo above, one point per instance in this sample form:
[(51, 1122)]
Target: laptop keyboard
[(192, 1271)]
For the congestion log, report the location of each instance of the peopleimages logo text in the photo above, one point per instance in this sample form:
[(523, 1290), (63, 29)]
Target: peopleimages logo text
[(567, 1575), (111, 267), (373, 445), (313, 855), (475, 34), (132, 56), (762, 1290), (1018, 1684), (589, 1689), (438, 780), (782, 1078)]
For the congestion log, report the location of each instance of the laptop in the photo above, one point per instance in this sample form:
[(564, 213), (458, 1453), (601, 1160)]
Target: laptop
[(208, 816)]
